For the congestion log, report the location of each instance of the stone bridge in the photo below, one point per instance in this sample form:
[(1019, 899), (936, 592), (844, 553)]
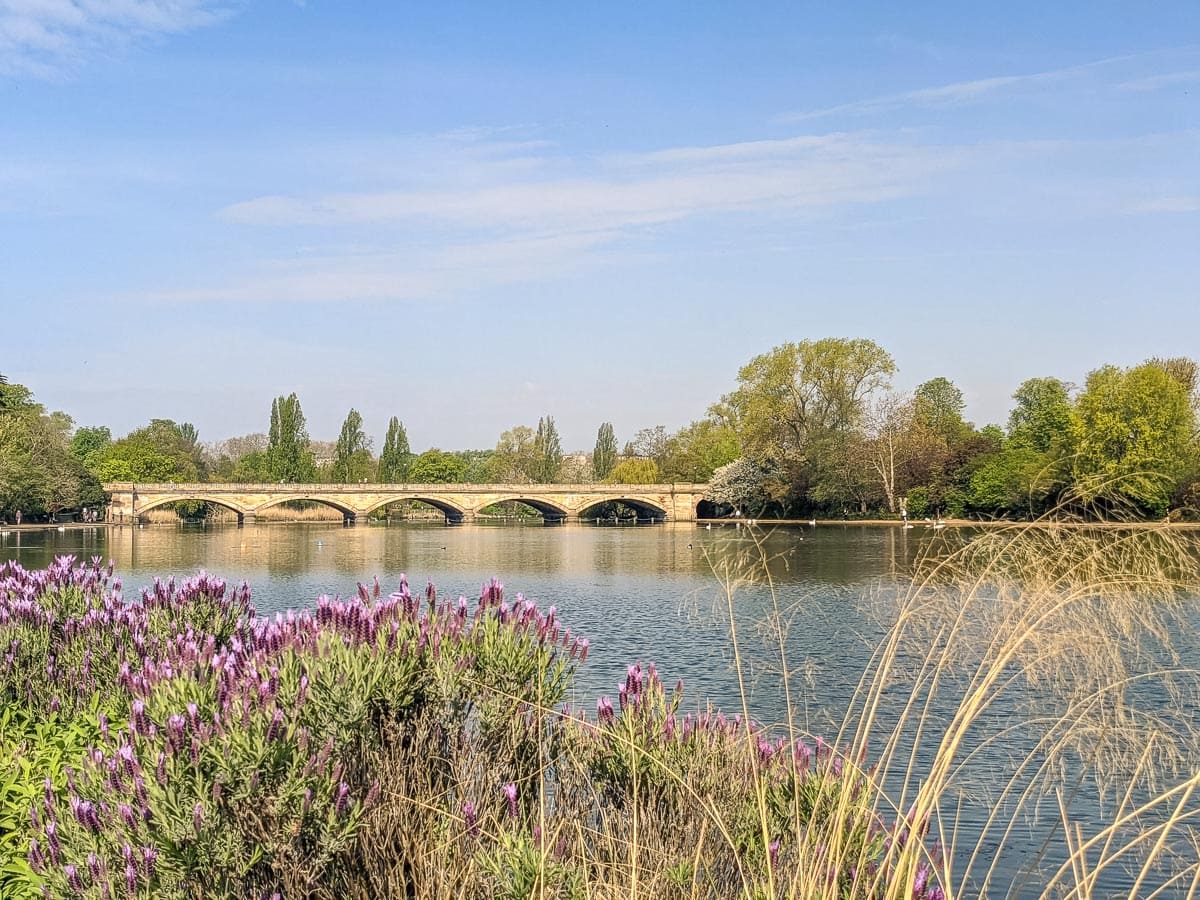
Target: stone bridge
[(459, 502)]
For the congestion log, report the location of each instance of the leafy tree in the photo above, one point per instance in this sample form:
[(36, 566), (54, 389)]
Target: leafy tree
[(634, 471), (396, 457), (694, 452), (938, 405), (437, 467), (86, 441), (1132, 433), (1041, 420), (604, 456), (252, 468), (792, 399), (547, 452), (476, 465), (159, 451), (352, 454), (514, 461), (226, 459), (289, 456)]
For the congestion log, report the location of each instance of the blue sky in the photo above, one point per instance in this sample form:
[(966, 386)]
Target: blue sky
[(471, 215)]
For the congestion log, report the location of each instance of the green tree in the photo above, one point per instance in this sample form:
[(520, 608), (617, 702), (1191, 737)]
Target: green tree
[(352, 454), (159, 451), (547, 450), (476, 465), (396, 457), (741, 487), (1132, 433), (289, 456), (604, 456), (696, 451), (799, 399), (1041, 419), (634, 471), (86, 441), (38, 474), (938, 405), (437, 467), (514, 461)]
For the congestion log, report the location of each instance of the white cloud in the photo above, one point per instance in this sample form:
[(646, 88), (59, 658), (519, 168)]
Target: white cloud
[(45, 38), (958, 93), (405, 274), (1171, 205), (1155, 82), (634, 191)]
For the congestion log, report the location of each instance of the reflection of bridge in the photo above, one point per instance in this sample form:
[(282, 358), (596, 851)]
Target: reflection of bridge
[(459, 502)]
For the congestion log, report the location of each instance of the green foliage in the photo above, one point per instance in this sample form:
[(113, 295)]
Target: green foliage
[(436, 466), (289, 457), (1041, 420), (396, 458), (547, 452), (352, 454), (514, 460), (1132, 434), (938, 405), (38, 473), (696, 451), (87, 441), (634, 471), (604, 455)]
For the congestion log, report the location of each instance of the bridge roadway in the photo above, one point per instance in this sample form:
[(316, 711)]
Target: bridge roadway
[(459, 502)]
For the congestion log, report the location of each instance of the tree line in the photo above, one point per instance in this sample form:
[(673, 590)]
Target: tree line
[(813, 427)]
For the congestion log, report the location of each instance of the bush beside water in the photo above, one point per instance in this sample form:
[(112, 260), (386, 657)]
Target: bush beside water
[(398, 745)]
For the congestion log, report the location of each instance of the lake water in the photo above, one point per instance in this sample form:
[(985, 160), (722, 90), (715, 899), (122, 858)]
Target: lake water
[(638, 593)]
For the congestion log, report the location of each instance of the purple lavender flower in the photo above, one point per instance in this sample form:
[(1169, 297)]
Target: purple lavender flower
[(510, 794), (198, 817), (470, 821), (342, 803), (73, 878)]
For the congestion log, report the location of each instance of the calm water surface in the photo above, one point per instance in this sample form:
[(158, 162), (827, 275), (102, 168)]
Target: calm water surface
[(645, 593)]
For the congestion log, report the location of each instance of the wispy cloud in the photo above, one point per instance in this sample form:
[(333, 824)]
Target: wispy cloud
[(1157, 82), (958, 93), (637, 190), (1182, 204), (47, 38)]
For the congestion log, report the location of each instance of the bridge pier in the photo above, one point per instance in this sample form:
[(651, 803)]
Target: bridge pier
[(246, 518)]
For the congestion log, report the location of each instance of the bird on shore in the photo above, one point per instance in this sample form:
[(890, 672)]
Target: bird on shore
[(812, 523)]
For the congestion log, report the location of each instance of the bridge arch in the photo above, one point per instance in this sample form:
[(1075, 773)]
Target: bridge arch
[(192, 498), (452, 512), (347, 511), (549, 511), (646, 508)]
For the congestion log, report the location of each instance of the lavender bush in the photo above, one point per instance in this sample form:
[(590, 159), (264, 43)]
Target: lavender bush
[(177, 745)]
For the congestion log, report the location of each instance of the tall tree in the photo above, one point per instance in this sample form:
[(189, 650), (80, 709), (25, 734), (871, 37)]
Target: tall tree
[(650, 443), (289, 457), (1132, 434), (396, 457), (1041, 420), (938, 405), (352, 454), (694, 452), (514, 461), (547, 452), (604, 456), (798, 400)]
